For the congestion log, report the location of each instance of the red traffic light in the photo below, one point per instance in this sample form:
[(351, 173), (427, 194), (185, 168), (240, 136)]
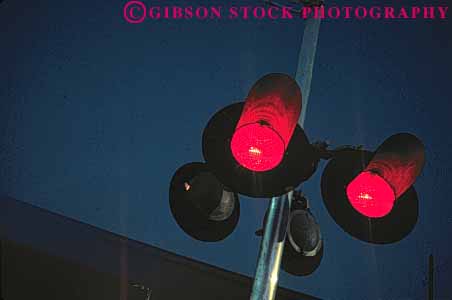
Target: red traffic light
[(267, 122), (371, 195), (392, 170), (256, 148)]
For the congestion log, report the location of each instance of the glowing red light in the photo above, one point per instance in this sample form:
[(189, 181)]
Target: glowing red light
[(268, 120), (392, 170), (371, 195), (257, 147)]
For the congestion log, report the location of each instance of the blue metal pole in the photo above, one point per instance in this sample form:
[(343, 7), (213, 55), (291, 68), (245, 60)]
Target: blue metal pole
[(306, 63), (272, 244)]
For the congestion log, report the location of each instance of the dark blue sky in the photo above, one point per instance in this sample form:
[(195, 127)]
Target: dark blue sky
[(96, 115)]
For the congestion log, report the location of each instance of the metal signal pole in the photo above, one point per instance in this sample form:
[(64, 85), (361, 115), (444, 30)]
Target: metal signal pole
[(272, 244), (430, 277)]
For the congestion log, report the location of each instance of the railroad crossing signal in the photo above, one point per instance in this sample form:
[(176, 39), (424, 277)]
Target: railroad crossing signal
[(256, 148)]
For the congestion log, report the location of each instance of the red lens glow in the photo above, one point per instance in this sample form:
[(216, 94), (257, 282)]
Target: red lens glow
[(268, 120), (371, 195), (257, 147)]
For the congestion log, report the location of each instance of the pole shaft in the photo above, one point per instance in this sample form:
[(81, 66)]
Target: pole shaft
[(306, 63), (272, 244), (1, 269), (430, 277)]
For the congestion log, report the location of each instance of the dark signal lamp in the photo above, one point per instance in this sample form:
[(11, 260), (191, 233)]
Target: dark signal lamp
[(202, 206), (303, 248)]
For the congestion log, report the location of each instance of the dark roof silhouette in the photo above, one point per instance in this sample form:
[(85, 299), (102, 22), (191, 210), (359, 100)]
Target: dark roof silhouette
[(50, 255)]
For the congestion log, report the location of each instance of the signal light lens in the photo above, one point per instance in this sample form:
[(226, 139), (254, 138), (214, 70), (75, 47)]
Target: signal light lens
[(267, 122), (392, 170), (371, 195), (257, 147)]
